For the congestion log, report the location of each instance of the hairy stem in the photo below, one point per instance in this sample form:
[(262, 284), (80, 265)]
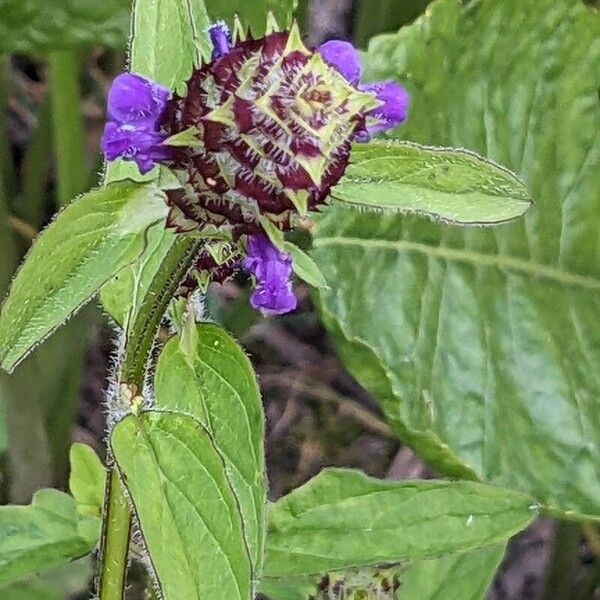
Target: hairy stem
[(69, 141), (143, 325)]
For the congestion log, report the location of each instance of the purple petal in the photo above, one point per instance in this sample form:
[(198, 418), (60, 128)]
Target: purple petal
[(272, 270), (221, 39), (143, 146), (274, 301), (394, 109), (134, 99), (343, 57)]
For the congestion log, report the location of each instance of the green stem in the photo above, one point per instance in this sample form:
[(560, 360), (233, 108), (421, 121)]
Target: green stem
[(562, 569), (139, 341), (69, 141)]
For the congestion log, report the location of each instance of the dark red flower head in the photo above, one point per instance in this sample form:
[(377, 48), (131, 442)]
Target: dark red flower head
[(265, 130)]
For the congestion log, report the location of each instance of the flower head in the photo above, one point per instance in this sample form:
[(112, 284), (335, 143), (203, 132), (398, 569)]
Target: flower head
[(135, 107), (272, 270), (274, 126)]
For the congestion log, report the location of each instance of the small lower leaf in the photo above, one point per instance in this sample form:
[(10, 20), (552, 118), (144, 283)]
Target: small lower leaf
[(187, 511), (46, 534), (87, 480), (305, 267)]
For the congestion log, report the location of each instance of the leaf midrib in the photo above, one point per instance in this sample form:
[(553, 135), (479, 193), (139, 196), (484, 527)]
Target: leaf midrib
[(502, 261)]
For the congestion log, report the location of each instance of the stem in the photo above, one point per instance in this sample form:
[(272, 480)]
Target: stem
[(139, 341), (562, 568), (69, 142)]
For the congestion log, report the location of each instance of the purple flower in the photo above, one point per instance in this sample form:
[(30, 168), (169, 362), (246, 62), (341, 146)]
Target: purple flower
[(221, 39), (272, 270), (343, 57), (144, 147), (135, 107), (134, 99)]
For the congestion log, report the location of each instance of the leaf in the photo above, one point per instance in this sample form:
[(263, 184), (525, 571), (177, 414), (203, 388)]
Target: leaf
[(87, 480), (47, 533), (304, 266), (213, 380), (169, 40), (124, 295), (451, 185), (252, 14), (34, 26), (339, 519), (465, 576), (483, 346), (87, 244), (180, 490)]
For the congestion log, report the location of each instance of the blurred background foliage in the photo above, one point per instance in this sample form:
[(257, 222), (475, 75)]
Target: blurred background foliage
[(57, 59)]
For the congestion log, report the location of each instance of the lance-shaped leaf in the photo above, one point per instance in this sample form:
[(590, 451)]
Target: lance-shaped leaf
[(454, 186), (188, 513), (208, 375), (85, 246), (47, 533), (483, 345), (343, 519), (35, 26)]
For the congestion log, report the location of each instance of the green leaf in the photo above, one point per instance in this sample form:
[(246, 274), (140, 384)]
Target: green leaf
[(213, 380), (87, 244), (483, 346), (305, 267), (339, 519), (36, 26), (465, 576), (124, 295), (169, 40), (43, 535), (252, 14), (87, 480), (454, 186), (171, 467)]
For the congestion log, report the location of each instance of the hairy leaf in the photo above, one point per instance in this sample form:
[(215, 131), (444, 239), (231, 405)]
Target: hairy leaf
[(343, 519), (87, 480), (483, 346), (35, 25), (123, 296), (47, 533), (211, 378), (169, 39), (86, 245), (454, 186), (182, 495)]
